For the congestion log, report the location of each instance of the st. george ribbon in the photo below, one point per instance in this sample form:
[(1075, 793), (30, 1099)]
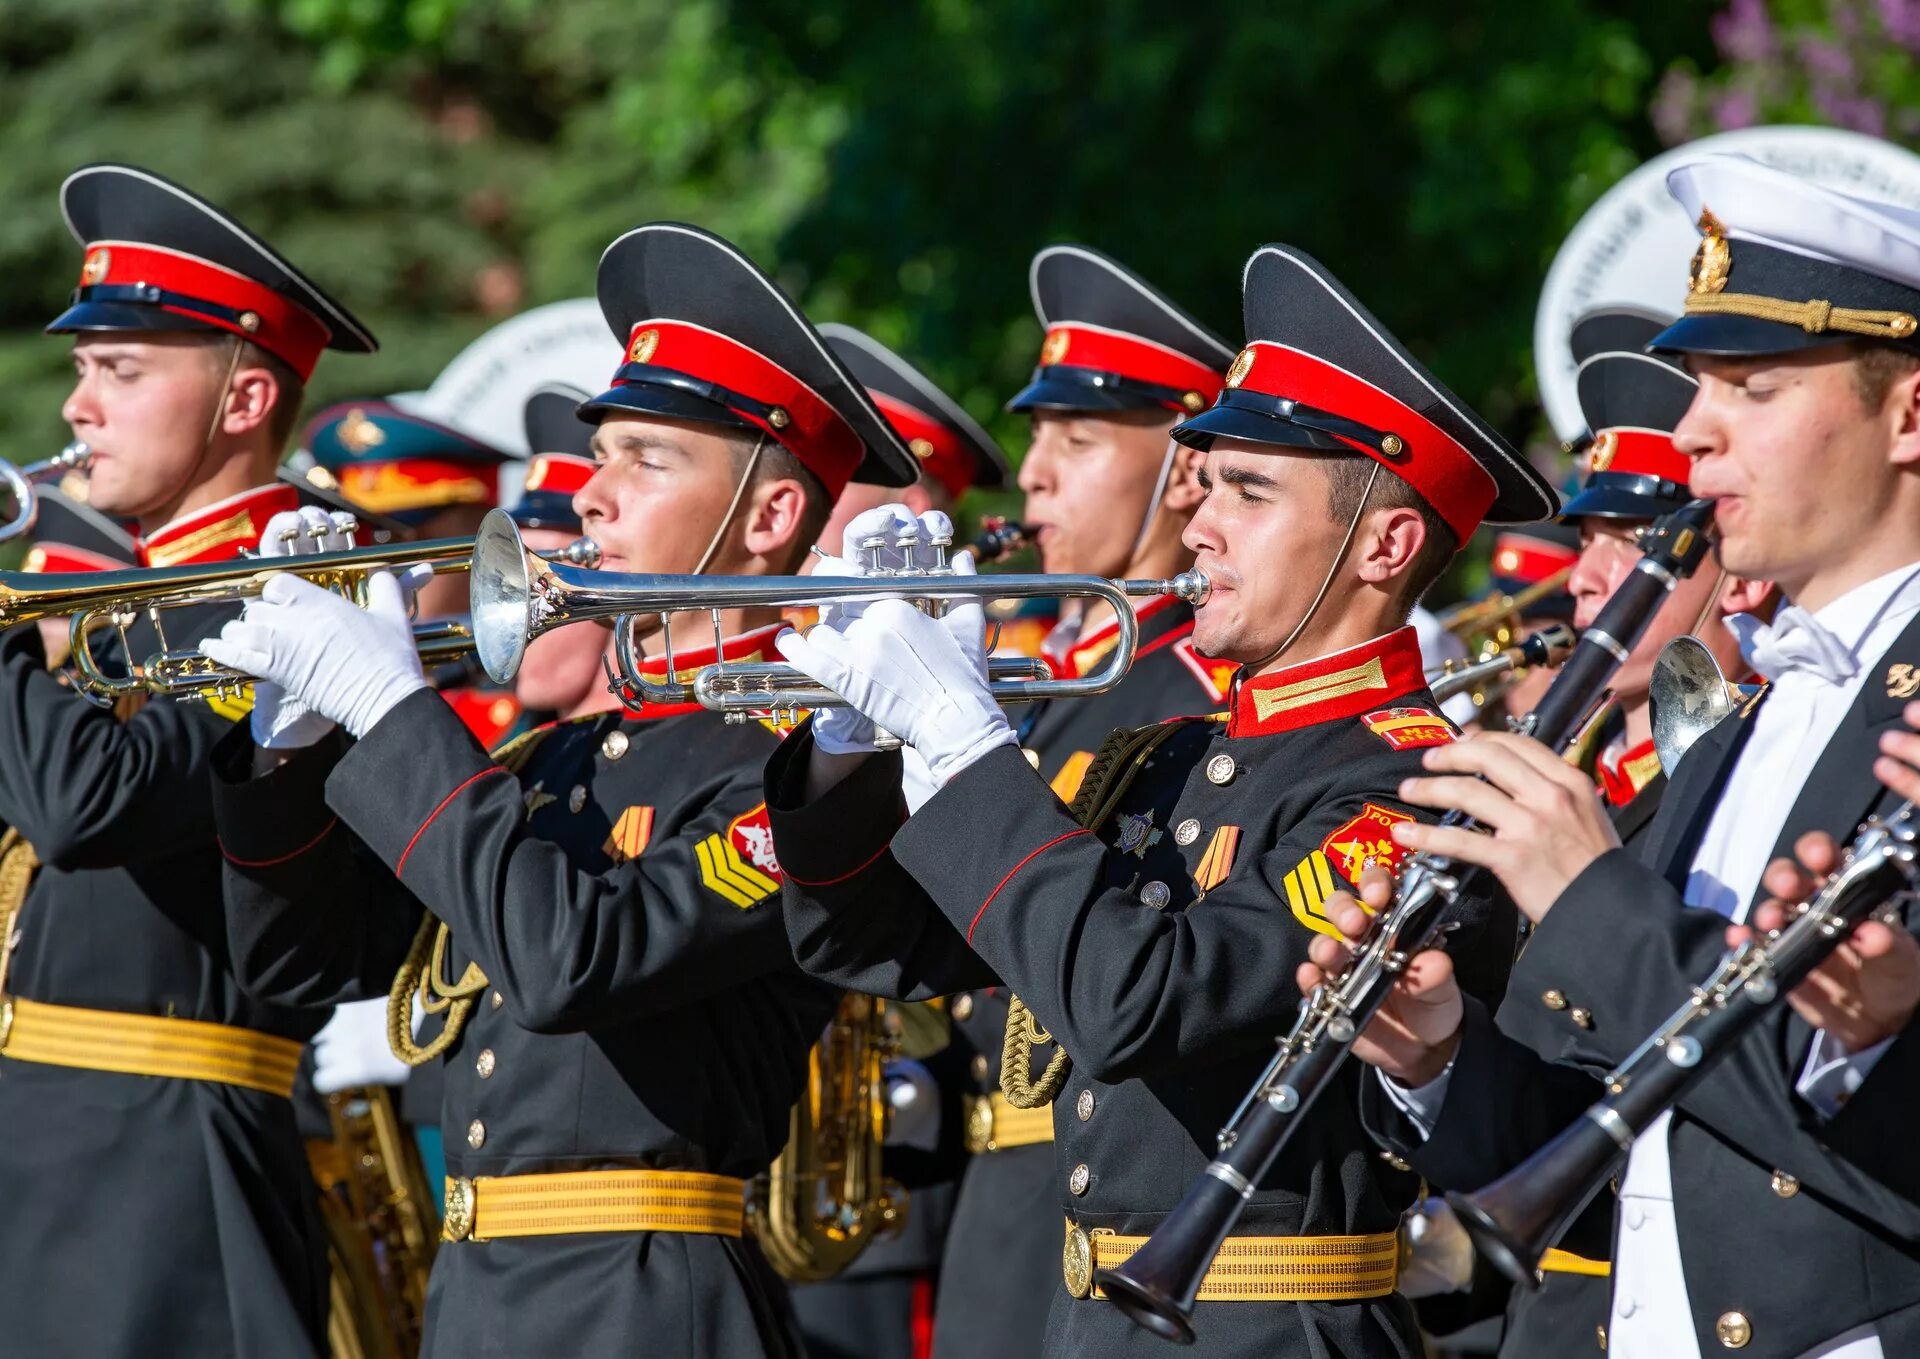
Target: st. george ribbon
[(1157, 1285)]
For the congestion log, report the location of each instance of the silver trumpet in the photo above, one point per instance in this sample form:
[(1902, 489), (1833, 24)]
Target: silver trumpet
[(22, 484), (517, 596)]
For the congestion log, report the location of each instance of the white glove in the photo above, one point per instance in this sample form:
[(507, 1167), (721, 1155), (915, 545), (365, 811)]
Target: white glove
[(906, 672), (352, 1049), (349, 664), (1440, 1253), (280, 722)]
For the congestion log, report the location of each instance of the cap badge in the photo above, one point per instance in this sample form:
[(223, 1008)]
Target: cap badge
[(1712, 261), (95, 268), (1242, 365), (920, 449), (641, 350), (1605, 445), (1055, 348), (358, 433)]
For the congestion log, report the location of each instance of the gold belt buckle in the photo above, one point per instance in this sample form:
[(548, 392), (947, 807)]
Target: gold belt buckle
[(1076, 1263), (457, 1222), (980, 1125)]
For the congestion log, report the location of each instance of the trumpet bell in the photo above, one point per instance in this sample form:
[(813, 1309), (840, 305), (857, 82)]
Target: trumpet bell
[(1689, 697), (500, 583)]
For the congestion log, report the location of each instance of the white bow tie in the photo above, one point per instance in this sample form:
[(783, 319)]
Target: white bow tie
[(1795, 642)]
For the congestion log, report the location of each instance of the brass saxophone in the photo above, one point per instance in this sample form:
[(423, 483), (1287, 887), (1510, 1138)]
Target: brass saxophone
[(825, 1199), (381, 1231)]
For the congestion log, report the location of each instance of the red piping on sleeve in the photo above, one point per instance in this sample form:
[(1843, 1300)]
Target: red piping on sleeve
[(401, 866), (867, 863), (1009, 878), (239, 862)]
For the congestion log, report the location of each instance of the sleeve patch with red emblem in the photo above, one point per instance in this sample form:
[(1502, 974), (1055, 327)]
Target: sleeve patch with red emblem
[(739, 865), (1366, 842), (1410, 728)]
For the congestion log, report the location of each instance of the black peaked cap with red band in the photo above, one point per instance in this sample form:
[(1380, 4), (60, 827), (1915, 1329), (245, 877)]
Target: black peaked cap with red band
[(1633, 402), (950, 445), (561, 461), (1114, 342), (1321, 374), (160, 258), (1527, 555), (711, 338)]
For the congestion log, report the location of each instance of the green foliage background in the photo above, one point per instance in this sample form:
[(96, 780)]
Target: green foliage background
[(441, 164)]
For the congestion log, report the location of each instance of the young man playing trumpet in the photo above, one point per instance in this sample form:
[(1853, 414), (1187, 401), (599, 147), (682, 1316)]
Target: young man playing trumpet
[(156, 1194), (596, 915), (1766, 1212), (1146, 935)]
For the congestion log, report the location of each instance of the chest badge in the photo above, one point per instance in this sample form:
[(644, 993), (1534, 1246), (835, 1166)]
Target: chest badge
[(1137, 834), (538, 797), (1217, 861), (1366, 842), (1903, 681), (630, 835)]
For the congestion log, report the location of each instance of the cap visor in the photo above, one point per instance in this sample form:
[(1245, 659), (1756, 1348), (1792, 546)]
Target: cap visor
[(1229, 422), (539, 510), (1737, 335), (84, 316), (1610, 502), (667, 403), (1053, 393)]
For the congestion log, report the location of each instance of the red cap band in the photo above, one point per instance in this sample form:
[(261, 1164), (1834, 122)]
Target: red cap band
[(801, 420), (1516, 556), (558, 473), (1639, 453), (1113, 351), (1428, 458), (280, 326), (941, 453)]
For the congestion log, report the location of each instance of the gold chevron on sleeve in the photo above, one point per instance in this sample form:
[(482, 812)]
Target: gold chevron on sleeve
[(1308, 887), (731, 877)]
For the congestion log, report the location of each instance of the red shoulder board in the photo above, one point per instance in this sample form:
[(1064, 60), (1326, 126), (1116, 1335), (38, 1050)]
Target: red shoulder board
[(1410, 728)]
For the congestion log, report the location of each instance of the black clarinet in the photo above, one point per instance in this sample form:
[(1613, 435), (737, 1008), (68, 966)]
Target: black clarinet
[(1000, 538), (1513, 1220), (1157, 1286)]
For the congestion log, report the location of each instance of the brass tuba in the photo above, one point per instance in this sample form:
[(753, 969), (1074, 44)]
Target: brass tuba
[(825, 1199)]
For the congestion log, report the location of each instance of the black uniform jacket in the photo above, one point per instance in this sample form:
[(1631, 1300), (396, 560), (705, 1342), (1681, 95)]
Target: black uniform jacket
[(144, 1215), (1806, 1227), (1001, 1267), (1159, 949), (614, 881)]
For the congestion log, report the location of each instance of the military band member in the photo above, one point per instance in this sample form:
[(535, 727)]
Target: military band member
[(1110, 492), (157, 1196), (1340, 476), (1767, 1212), (624, 1030)]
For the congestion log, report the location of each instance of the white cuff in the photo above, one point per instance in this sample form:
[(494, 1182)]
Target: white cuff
[(1422, 1103), (1832, 1074)]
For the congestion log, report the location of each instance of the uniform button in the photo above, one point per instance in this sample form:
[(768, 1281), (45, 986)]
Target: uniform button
[(476, 1134), (1785, 1185), (577, 798), (1625, 1307), (1582, 1019), (1553, 1000), (615, 745), (1033, 756), (484, 1063), (1600, 1334), (980, 1067), (1156, 894), (1084, 1105), (1635, 1217), (1186, 832), (1080, 1179), (963, 1006), (1221, 769), (1734, 1330), (1396, 1162), (498, 1000)]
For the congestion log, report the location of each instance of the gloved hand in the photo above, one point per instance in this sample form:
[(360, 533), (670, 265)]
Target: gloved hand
[(906, 545), (279, 721), (349, 664), (352, 1049), (914, 1097), (906, 672)]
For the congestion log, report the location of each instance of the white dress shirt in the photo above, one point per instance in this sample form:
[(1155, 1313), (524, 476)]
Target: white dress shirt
[(1652, 1317)]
